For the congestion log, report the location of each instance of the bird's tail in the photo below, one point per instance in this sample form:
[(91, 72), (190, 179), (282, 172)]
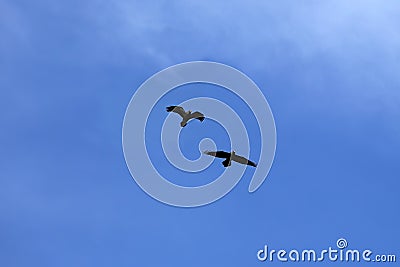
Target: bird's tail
[(227, 162)]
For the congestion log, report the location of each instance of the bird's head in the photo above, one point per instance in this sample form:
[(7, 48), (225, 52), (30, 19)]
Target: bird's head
[(190, 112), (233, 152)]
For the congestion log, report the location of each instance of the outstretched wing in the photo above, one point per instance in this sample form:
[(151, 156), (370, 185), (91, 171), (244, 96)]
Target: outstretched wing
[(218, 154), (197, 115), (243, 160), (250, 163), (177, 109)]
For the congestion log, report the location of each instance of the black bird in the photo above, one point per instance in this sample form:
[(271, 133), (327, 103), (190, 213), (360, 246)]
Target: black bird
[(229, 157), (186, 116)]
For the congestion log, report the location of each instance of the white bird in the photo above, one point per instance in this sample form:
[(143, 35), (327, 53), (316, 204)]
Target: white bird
[(186, 116), (229, 157)]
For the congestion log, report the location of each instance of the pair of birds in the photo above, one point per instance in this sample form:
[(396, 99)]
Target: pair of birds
[(229, 157)]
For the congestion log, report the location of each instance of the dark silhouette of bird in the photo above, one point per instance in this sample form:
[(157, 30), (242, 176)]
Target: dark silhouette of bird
[(186, 116), (229, 157)]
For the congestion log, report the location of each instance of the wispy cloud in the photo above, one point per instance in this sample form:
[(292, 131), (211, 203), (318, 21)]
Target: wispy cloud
[(354, 44)]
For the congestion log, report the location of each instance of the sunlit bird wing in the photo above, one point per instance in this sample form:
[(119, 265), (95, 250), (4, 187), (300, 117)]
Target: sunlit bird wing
[(177, 109), (197, 115), (243, 160)]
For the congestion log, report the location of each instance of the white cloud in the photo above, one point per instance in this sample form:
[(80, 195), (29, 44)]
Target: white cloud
[(356, 40)]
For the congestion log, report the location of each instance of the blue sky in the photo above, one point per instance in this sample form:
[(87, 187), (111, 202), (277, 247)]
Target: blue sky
[(329, 71)]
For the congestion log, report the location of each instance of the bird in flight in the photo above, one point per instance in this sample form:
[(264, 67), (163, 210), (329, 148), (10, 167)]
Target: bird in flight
[(229, 157), (186, 116)]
